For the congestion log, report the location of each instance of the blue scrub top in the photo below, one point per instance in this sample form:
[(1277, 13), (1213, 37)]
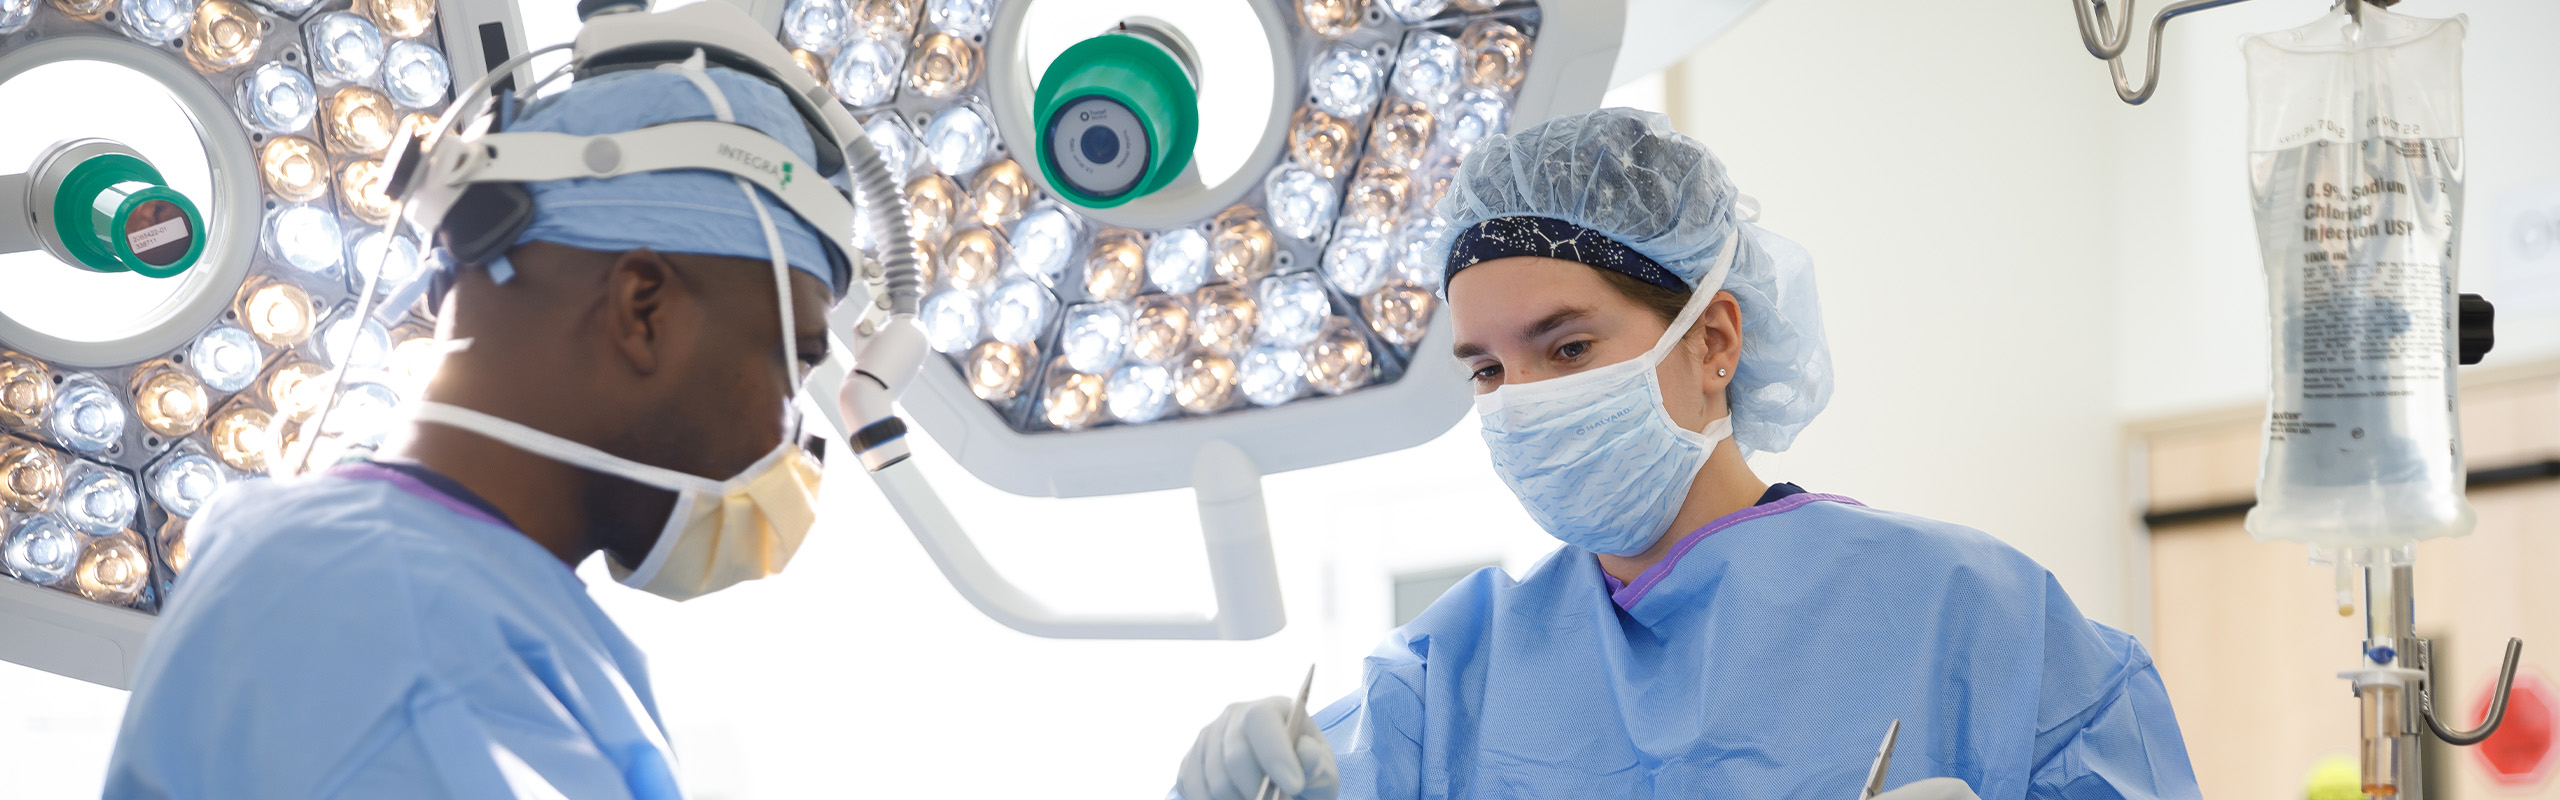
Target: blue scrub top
[(375, 632), (1763, 659)]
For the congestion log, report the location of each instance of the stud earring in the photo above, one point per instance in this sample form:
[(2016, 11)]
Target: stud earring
[(1719, 372)]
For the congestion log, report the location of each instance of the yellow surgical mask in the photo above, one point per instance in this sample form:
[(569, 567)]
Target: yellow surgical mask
[(720, 532)]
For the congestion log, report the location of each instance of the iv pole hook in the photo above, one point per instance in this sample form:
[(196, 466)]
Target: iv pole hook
[(2497, 702), (2106, 39)]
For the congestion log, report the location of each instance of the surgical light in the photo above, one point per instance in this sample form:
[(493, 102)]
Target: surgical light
[(415, 74), (401, 18), (1043, 240), (226, 359), (169, 401), (1417, 250), (42, 550), (1240, 249), (1095, 337), (1330, 18), (999, 193), (173, 545), (241, 438), (98, 500), (1139, 393), (1269, 375), (1344, 81), (1402, 134), (361, 120), (1074, 400), (1496, 55), (1339, 360), (997, 370), (1293, 309), (866, 73), (297, 389), (812, 63), (1376, 198), (959, 140), (1223, 318), (1400, 312), (1178, 260), (1161, 330), (1018, 311), (15, 14), (897, 145), (1116, 116), (225, 34), (84, 9), (278, 313), (29, 475), (950, 320), (113, 570), (355, 344), (960, 17), (973, 258), (886, 20), (943, 65), (305, 237), (345, 48), (1116, 267), (184, 479), (365, 413), (26, 390), (814, 25), (1356, 260), (85, 415), (1427, 70), (156, 21), (1205, 383), (1467, 120), (1301, 202), (289, 7), (934, 203), (279, 99), (294, 168), (364, 185), (414, 362), (395, 256)]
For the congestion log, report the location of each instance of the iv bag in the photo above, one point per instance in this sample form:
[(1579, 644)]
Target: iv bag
[(2355, 165)]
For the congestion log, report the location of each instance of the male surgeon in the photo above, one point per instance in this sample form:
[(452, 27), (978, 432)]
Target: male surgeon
[(411, 626)]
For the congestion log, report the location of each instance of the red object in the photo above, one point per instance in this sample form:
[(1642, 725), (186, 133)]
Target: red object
[(2524, 751)]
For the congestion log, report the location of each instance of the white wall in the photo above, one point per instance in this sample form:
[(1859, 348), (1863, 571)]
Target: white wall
[(2191, 295), (1948, 165)]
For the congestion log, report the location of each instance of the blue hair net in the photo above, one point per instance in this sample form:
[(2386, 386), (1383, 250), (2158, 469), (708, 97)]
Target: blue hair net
[(1628, 175), (673, 211)]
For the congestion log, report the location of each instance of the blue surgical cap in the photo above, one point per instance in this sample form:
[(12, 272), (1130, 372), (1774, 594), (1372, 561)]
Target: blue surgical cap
[(1627, 175), (674, 211)]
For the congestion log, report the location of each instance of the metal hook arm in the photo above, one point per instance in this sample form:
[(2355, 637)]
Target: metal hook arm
[(2107, 42), (2497, 702)]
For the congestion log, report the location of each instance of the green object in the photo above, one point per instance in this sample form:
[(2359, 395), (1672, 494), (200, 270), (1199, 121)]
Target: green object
[(1117, 119), (116, 214)]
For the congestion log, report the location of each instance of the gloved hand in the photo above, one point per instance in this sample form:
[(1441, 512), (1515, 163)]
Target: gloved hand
[(1931, 789), (1251, 740)]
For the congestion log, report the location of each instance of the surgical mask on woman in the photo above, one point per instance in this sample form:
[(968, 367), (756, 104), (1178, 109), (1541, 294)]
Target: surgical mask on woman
[(1595, 456)]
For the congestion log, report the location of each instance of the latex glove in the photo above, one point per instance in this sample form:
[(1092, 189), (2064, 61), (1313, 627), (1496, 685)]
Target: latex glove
[(1251, 740), (1931, 789)]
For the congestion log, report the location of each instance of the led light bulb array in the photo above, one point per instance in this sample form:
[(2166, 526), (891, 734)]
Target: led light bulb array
[(1319, 284), (101, 466)]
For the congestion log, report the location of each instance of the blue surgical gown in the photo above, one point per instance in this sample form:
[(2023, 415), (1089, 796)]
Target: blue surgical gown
[(1763, 659), (362, 633)]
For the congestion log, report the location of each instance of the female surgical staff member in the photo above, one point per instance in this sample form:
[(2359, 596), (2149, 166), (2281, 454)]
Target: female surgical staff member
[(1700, 633)]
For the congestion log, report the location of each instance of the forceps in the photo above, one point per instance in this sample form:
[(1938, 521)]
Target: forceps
[(1297, 727), (1884, 761)]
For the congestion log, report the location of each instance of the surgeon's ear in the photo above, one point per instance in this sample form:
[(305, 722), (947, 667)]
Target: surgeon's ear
[(1718, 335), (638, 291)]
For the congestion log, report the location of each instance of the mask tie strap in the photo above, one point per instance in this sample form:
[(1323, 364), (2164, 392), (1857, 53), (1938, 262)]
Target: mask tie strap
[(526, 438), (692, 69)]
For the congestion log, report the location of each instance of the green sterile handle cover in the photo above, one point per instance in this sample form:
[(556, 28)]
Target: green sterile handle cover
[(1138, 75), (77, 216)]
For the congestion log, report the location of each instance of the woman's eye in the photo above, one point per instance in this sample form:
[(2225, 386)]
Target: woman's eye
[(1491, 372), (1573, 350)]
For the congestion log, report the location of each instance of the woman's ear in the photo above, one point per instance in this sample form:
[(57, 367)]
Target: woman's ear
[(1718, 335)]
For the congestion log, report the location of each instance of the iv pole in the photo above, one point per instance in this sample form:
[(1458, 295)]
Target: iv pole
[(2395, 685)]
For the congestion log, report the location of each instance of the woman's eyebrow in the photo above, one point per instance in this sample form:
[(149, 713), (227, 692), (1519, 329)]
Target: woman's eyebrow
[(1545, 325)]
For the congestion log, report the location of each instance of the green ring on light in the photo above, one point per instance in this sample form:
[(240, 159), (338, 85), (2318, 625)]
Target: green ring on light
[(71, 215), (1134, 73)]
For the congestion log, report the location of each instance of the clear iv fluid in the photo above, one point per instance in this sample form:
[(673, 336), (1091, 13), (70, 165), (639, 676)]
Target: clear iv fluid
[(2360, 241)]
